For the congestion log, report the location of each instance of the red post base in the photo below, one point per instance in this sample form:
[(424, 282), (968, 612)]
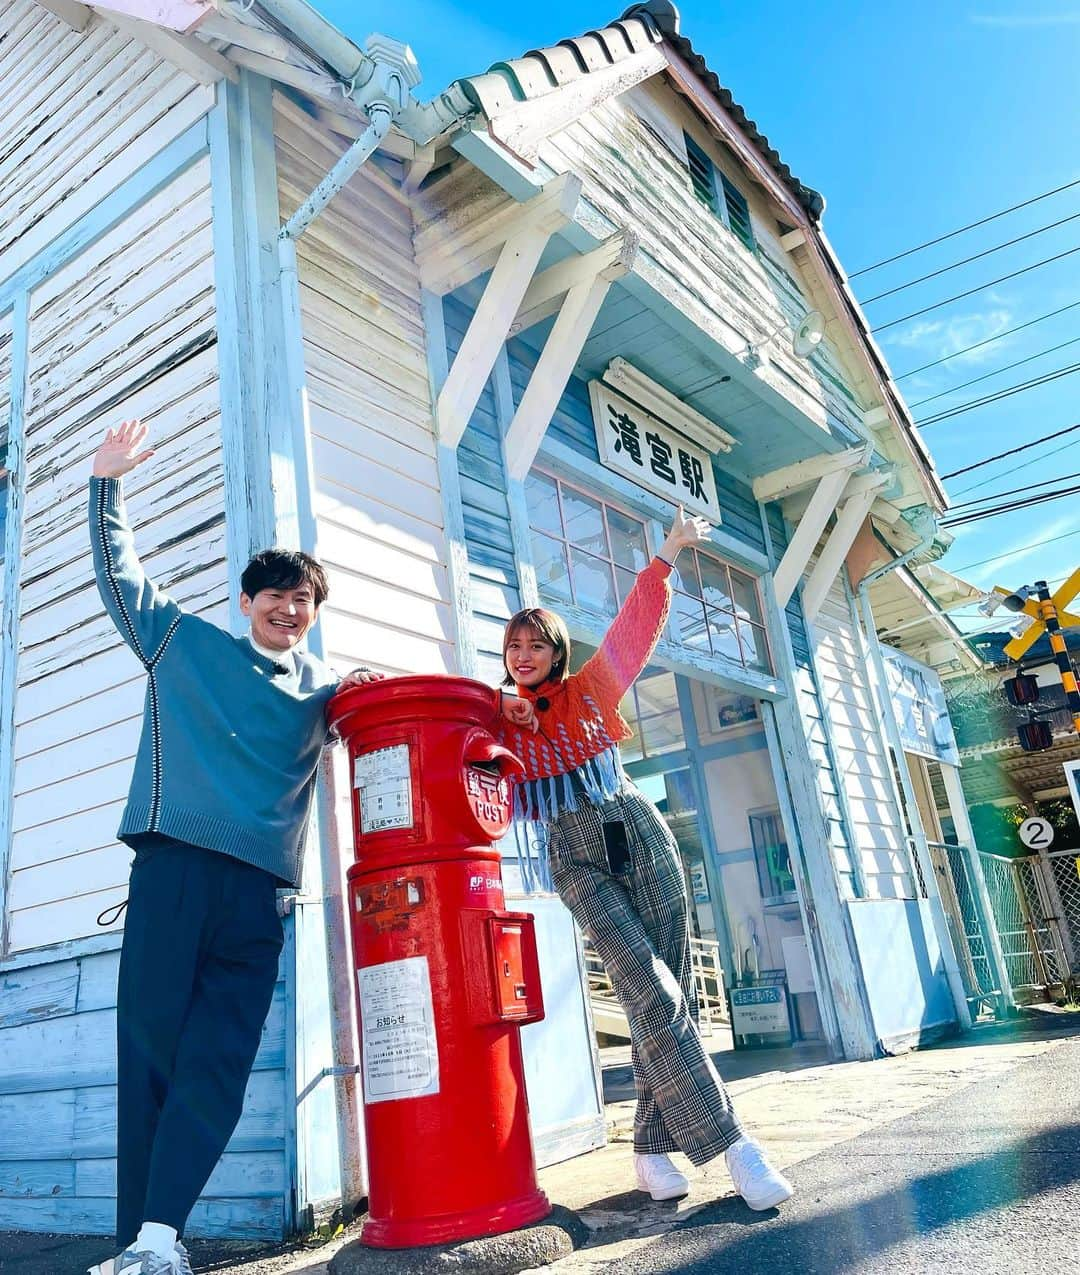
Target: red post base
[(451, 1228)]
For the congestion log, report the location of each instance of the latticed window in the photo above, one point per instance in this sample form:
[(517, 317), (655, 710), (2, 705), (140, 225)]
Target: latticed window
[(720, 195), (587, 553), (717, 609)]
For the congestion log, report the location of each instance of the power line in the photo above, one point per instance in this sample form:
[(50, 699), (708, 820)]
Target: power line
[(987, 341), (996, 495), (996, 372), (1016, 468), (1011, 452), (1008, 392), (976, 515), (963, 229), (966, 261), (998, 557), (971, 291)]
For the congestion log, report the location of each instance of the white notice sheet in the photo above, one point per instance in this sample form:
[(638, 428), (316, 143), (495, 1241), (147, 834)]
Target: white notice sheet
[(401, 1051), (384, 780)]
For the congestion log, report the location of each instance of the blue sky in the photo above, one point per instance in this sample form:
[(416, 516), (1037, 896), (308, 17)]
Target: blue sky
[(913, 119)]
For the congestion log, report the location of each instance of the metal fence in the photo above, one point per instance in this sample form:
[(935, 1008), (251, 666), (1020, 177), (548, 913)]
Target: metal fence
[(1035, 905)]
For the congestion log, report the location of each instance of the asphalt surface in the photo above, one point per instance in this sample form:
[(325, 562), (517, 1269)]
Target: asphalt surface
[(987, 1181)]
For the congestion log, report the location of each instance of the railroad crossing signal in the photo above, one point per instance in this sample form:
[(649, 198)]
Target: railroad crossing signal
[(1016, 649)]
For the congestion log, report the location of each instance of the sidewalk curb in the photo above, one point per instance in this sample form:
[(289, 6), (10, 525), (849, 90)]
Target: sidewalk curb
[(557, 1236)]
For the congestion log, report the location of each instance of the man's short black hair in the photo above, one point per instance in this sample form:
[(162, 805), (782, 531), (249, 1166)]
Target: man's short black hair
[(284, 569)]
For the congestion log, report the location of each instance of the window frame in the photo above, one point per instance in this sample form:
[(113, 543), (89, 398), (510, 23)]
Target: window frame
[(759, 626), (721, 194)]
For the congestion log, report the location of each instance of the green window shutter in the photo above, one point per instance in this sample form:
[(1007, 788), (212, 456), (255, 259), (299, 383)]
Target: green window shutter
[(702, 175), (738, 213)]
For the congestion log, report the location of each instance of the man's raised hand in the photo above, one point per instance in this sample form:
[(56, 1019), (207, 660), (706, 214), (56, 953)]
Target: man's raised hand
[(119, 453)]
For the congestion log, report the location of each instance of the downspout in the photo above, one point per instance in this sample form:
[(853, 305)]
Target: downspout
[(892, 735), (389, 75)]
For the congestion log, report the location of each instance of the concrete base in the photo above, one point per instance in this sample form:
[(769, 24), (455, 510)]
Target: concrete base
[(555, 1237)]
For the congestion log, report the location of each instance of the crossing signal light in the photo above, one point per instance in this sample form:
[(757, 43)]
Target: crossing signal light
[(1022, 689), (1035, 737)]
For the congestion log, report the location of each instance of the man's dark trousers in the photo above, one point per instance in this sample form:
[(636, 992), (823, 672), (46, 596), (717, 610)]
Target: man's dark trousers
[(197, 971)]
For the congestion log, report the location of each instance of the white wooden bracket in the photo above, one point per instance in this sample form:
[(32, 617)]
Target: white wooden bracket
[(450, 254), (782, 482), (186, 52), (594, 274), (487, 332), (514, 247), (614, 257), (859, 495), (76, 15)]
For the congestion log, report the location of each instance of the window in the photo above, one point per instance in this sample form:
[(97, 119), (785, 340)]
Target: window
[(585, 552), (775, 878), (718, 194), (717, 610)]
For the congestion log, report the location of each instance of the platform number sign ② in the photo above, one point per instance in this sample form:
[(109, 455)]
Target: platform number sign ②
[(1037, 833)]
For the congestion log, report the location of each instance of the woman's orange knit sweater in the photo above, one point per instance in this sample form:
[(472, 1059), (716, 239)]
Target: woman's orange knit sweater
[(580, 722)]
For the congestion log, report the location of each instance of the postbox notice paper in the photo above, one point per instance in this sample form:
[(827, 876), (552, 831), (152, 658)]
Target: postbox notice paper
[(401, 1049), (384, 780)]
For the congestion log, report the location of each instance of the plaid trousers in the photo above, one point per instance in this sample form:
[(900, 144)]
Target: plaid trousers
[(638, 922)]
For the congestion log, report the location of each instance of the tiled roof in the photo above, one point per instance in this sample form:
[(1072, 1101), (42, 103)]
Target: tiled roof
[(654, 22)]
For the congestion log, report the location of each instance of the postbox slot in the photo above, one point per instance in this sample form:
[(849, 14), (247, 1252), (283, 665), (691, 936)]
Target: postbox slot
[(516, 967)]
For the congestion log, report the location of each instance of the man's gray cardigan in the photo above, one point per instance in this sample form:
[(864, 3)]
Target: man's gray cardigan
[(230, 738)]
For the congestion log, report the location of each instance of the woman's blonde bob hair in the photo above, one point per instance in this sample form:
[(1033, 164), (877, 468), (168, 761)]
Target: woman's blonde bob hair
[(549, 627)]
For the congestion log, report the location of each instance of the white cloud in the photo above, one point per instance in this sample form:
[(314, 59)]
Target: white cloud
[(943, 337)]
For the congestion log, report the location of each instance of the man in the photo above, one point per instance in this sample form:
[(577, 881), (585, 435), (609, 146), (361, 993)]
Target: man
[(216, 814)]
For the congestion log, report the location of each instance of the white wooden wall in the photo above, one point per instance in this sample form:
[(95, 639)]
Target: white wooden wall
[(859, 748), (81, 111), (377, 500), (125, 330)]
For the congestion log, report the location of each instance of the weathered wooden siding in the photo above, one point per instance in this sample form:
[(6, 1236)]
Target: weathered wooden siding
[(861, 753), (81, 111), (124, 330), (377, 497), (572, 425), (811, 696), (58, 1110), (630, 154)]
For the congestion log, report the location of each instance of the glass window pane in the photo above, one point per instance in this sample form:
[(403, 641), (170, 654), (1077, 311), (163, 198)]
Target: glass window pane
[(625, 581), (628, 546), (725, 641), (593, 586), (714, 582), (746, 599), (542, 499), (690, 621), (552, 575), (631, 749), (685, 575), (755, 648), (661, 721), (584, 522)]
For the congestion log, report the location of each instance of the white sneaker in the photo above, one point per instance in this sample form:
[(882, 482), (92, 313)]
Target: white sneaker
[(185, 1259), (657, 1175), (759, 1184), (140, 1262)]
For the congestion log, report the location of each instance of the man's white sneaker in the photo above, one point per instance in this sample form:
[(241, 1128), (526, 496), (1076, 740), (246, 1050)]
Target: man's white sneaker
[(657, 1175), (185, 1259), (141, 1262), (759, 1184)]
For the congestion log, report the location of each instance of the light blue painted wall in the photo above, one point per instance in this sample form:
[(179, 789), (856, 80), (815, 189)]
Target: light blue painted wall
[(903, 969)]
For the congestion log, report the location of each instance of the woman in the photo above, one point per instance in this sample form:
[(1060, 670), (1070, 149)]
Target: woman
[(616, 867)]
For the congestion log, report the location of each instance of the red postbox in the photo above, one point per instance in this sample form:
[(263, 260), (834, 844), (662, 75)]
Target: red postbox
[(446, 976)]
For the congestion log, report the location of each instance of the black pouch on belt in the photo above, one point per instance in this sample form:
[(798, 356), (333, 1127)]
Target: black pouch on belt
[(617, 846)]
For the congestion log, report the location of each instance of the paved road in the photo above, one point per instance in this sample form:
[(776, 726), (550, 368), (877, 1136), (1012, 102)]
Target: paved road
[(986, 1181)]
